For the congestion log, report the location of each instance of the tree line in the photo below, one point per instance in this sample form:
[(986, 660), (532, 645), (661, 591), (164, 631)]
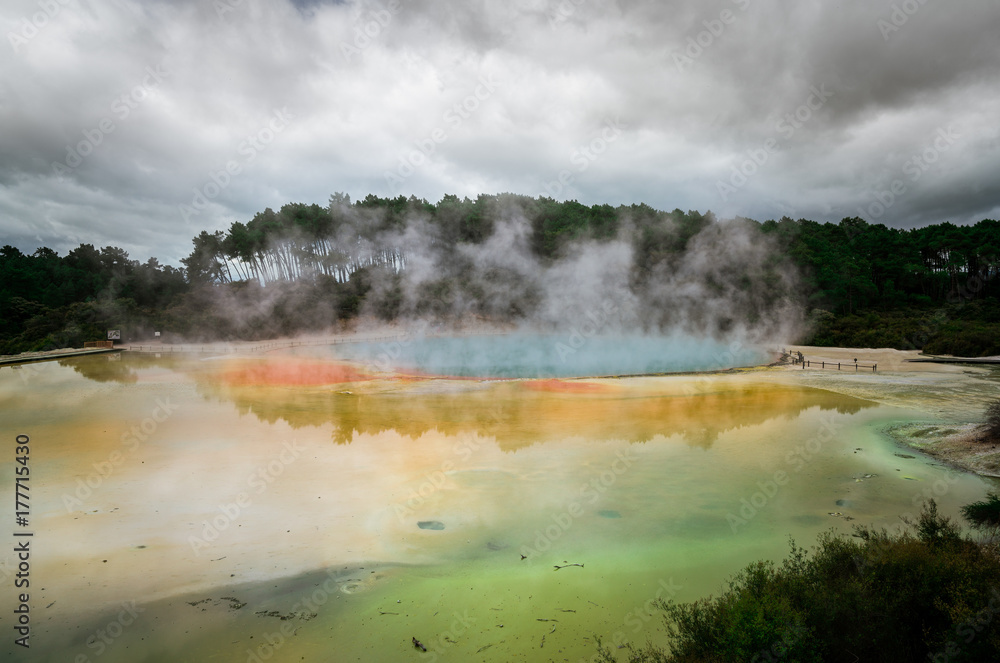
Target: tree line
[(50, 301), (317, 266)]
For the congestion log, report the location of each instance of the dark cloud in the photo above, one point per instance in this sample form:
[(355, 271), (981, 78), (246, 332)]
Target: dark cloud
[(757, 108)]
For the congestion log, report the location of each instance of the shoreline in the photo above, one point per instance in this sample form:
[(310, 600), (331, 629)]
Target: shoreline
[(955, 445), (956, 360), (901, 372), (47, 355)]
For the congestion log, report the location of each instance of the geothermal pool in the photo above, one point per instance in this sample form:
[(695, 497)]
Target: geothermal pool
[(286, 507), (531, 355)]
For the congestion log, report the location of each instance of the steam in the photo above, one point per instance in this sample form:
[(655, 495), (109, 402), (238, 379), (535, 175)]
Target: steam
[(701, 282), (730, 280)]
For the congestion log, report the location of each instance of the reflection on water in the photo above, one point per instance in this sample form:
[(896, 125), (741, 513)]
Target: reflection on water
[(106, 368), (523, 412), (211, 492), (120, 367)]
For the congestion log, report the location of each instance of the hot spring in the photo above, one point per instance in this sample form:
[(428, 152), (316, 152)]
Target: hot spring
[(526, 355), (290, 507)]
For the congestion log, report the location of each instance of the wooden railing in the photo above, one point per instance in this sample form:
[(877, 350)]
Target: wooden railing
[(840, 366)]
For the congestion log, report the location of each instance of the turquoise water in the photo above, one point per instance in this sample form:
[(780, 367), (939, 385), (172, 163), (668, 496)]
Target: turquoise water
[(547, 356)]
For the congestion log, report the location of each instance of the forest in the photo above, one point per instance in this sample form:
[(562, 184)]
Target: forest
[(499, 258)]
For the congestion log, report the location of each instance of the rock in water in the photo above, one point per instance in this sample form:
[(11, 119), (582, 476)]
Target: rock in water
[(430, 524)]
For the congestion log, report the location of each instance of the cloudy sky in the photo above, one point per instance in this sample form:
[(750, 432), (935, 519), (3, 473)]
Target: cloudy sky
[(139, 123)]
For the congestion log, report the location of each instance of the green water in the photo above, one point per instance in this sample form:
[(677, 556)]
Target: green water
[(657, 487)]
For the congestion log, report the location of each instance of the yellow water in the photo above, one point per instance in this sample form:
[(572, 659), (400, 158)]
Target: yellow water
[(169, 481)]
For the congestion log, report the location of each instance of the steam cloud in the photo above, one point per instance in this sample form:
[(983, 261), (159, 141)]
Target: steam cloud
[(649, 274)]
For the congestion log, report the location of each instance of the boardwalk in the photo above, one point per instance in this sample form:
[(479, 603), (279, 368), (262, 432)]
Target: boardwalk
[(28, 357), (798, 359)]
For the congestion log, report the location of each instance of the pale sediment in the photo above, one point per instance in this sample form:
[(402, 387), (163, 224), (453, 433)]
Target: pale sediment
[(959, 445)]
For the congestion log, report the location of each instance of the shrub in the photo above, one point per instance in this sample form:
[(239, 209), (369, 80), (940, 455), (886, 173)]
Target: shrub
[(990, 430), (924, 595), (984, 515)]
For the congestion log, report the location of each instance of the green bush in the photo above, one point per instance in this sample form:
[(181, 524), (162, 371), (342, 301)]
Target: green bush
[(984, 515), (990, 430), (925, 595)]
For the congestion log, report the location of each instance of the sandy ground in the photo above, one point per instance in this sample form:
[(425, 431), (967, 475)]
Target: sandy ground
[(907, 384), (960, 446), (886, 358)]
